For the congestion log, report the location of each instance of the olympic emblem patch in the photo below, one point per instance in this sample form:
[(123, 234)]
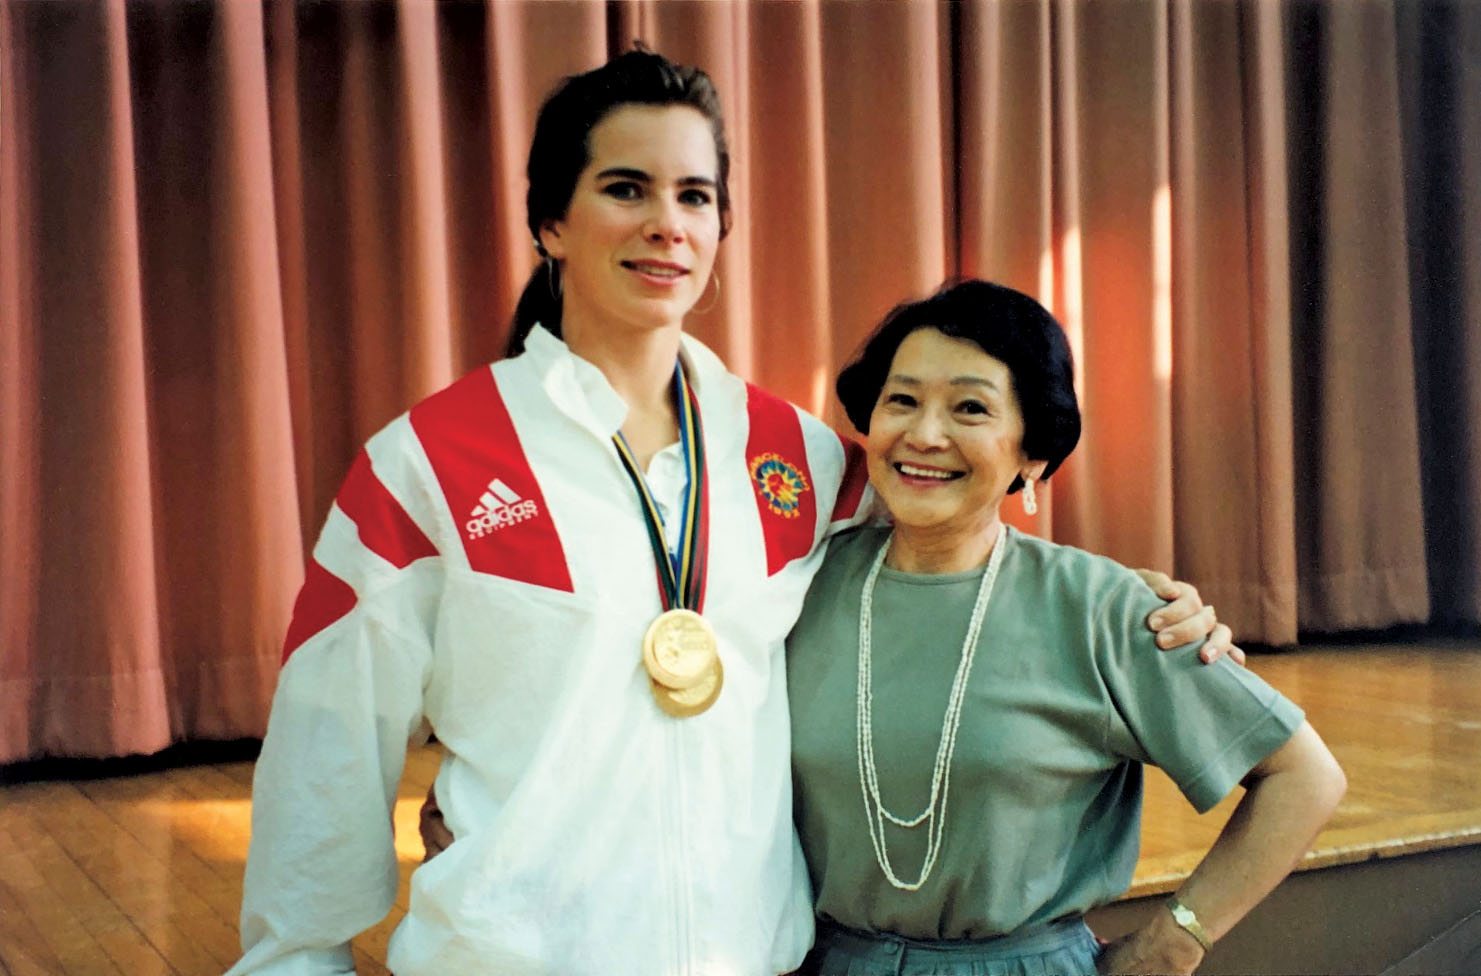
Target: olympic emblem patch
[(780, 483)]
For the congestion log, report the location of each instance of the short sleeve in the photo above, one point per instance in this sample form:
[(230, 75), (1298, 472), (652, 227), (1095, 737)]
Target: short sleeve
[(1205, 725)]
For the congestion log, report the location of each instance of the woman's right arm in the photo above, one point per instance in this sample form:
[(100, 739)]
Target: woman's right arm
[(322, 862), (436, 838)]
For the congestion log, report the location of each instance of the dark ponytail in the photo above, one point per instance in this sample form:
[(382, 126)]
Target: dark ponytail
[(561, 149), (539, 303)]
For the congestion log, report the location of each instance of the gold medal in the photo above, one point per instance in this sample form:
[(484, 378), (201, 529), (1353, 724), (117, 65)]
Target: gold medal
[(680, 652), (679, 649), (694, 700)]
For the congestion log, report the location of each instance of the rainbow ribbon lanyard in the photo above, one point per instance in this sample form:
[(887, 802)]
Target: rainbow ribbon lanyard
[(681, 574)]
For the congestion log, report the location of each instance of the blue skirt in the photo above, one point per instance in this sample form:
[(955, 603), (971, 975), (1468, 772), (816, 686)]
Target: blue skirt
[(1063, 948)]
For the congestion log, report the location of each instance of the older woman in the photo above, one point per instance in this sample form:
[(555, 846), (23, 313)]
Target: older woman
[(971, 707)]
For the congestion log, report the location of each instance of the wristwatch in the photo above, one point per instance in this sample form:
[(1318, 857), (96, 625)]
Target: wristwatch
[(1185, 918)]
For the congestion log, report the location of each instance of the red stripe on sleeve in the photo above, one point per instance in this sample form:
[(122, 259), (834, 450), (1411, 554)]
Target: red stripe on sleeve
[(777, 458), (488, 484), (324, 599), (383, 524), (855, 477)]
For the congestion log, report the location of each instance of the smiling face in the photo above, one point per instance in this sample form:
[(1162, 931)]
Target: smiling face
[(946, 440), (639, 237)]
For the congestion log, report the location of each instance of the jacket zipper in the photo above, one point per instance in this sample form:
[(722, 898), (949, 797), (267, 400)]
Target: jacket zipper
[(683, 903)]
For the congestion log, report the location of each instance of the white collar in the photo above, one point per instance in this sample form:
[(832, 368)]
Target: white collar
[(581, 389)]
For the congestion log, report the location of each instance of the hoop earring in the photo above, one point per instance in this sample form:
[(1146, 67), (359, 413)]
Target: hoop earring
[(715, 277), (553, 281), (1030, 503)]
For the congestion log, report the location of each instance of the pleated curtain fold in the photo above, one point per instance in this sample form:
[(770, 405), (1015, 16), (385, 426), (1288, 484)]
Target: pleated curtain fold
[(237, 238)]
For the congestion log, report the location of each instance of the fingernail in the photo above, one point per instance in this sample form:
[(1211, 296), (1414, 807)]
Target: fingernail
[(1163, 640), (1157, 622)]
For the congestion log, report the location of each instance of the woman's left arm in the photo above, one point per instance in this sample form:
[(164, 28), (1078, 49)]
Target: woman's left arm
[(1289, 795), (1186, 619)]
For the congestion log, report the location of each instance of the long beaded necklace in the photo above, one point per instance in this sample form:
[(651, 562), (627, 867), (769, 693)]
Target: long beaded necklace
[(934, 815)]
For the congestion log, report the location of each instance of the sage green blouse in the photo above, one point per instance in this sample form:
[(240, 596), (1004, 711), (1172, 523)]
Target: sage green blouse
[(1068, 696)]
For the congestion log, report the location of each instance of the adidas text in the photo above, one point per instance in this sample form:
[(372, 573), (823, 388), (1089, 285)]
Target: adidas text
[(504, 516)]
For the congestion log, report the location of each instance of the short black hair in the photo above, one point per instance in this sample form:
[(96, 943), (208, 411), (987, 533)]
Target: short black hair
[(1007, 325)]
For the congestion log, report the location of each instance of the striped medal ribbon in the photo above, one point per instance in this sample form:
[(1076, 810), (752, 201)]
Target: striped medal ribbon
[(679, 650)]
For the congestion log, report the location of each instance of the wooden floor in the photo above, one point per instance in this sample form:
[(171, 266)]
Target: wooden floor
[(1405, 723), (138, 875)]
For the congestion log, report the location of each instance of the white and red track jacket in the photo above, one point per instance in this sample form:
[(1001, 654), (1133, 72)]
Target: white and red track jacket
[(485, 569)]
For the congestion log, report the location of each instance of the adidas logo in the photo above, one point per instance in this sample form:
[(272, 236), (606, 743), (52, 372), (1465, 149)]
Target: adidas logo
[(498, 507)]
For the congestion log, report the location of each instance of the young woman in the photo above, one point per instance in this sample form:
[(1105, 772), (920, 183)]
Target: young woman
[(578, 566), (971, 707)]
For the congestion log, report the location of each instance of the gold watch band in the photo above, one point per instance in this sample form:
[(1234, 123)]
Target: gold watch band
[(1189, 922)]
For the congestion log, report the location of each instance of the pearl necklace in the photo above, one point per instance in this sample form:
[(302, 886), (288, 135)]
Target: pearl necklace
[(934, 815)]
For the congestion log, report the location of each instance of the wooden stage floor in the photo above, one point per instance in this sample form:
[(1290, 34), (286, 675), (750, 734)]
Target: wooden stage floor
[(139, 875)]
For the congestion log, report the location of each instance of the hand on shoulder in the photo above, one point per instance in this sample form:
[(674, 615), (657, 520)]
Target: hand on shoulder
[(1186, 618)]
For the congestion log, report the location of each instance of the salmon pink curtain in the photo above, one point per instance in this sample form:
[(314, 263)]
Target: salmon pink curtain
[(237, 237)]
